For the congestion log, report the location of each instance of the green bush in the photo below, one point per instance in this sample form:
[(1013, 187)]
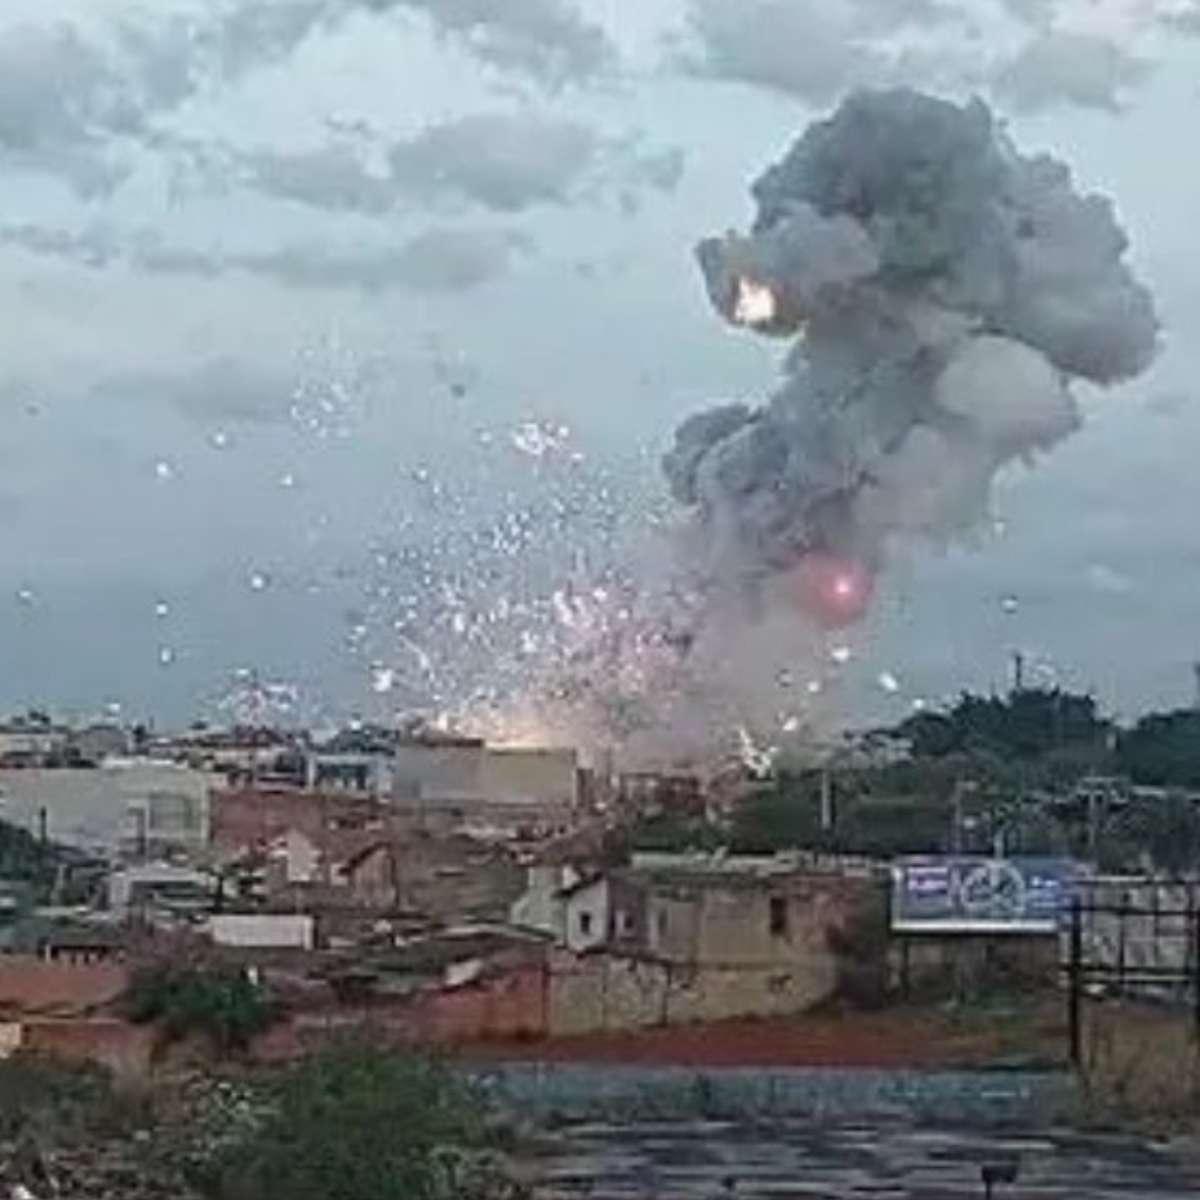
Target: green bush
[(221, 1003), (357, 1123)]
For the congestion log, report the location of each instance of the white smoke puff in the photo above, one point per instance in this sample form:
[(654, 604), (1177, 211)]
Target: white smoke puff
[(1009, 393), (935, 484), (1071, 295)]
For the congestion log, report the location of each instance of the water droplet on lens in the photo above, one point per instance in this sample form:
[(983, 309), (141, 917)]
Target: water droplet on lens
[(26, 597), (889, 682), (841, 655), (219, 439), (259, 581), (287, 480), (1010, 604), (166, 656), (164, 470), (162, 609)]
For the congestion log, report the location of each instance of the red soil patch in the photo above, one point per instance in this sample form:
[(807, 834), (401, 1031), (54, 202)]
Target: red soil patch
[(897, 1039)]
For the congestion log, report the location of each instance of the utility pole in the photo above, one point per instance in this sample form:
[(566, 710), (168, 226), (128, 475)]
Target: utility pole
[(826, 798), (1018, 672), (957, 831)]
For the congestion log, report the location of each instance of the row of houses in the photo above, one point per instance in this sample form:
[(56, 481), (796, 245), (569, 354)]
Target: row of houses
[(653, 942), (446, 888)]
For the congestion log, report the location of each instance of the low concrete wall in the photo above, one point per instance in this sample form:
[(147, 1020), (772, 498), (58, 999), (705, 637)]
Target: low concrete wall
[(597, 993), (627, 1094), (562, 995)]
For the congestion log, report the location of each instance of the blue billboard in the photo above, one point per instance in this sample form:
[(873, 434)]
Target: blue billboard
[(976, 894)]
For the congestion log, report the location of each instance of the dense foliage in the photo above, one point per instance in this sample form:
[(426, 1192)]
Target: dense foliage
[(219, 1002), (1163, 750), (24, 857), (358, 1123), (986, 769), (1025, 724)]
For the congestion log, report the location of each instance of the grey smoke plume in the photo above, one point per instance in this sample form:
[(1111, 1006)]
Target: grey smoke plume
[(944, 292)]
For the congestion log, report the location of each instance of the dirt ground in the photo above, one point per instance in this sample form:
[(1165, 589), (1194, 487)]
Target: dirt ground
[(897, 1038)]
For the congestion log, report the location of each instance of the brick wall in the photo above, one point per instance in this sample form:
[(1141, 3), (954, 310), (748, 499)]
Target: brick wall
[(34, 986), (509, 1007), (124, 1049)]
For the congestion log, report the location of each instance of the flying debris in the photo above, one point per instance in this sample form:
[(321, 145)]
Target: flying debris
[(943, 292)]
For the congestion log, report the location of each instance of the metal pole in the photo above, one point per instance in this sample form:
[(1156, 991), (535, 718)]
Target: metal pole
[(1196, 968), (1122, 912), (956, 832), (826, 798), (1075, 981)]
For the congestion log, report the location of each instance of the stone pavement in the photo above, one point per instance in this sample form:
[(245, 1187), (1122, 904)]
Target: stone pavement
[(861, 1161)]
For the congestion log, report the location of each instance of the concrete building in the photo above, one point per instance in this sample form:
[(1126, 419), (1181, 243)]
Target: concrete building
[(95, 743), (255, 817), (159, 887), (713, 940), (30, 739), (446, 769), (370, 774), (582, 910), (262, 931), (133, 804), (242, 752)]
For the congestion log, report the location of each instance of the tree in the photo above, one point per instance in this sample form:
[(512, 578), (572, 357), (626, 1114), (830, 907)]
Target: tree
[(357, 1123), (1025, 724), (1163, 750), (27, 858), (219, 1002)]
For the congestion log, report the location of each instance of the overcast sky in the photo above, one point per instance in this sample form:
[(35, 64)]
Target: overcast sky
[(291, 288)]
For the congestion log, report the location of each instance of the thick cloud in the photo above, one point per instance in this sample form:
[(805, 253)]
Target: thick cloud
[(1072, 68), (548, 40), (890, 16), (819, 49), (68, 96), (502, 161), (59, 100), (1183, 20), (330, 178), (221, 390), (806, 48), (439, 260)]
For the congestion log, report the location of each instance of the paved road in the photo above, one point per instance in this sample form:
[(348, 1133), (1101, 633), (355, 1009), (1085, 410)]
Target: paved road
[(716, 1161)]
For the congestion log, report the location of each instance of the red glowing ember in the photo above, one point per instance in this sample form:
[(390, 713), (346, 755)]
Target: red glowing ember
[(834, 591)]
